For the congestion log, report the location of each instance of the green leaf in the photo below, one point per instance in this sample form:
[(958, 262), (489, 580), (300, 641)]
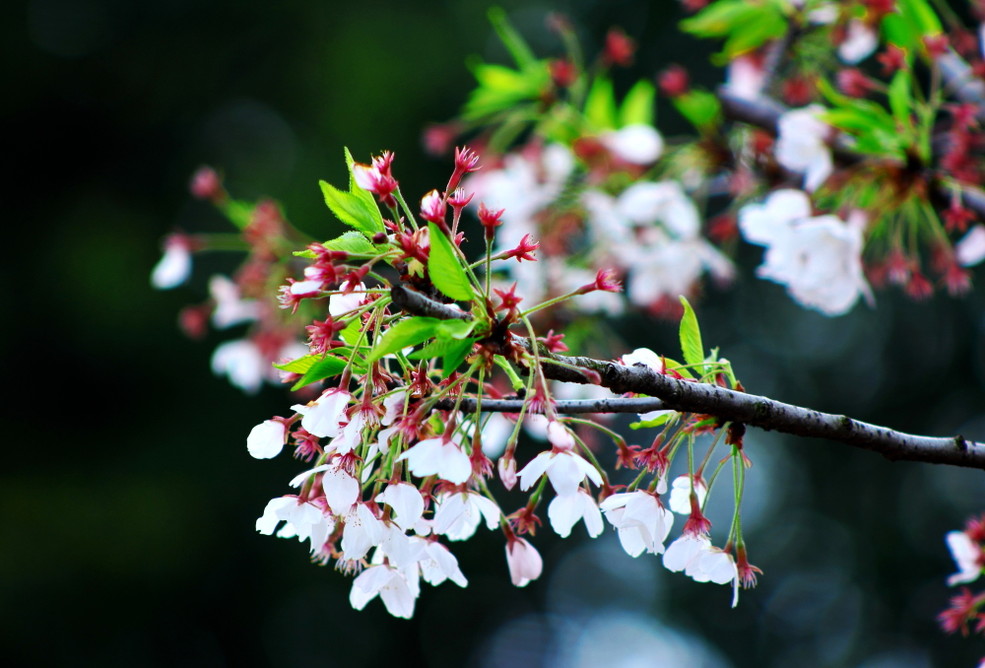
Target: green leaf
[(445, 267), (700, 108), (320, 370), (600, 105), (637, 106), (364, 195), (351, 242), (313, 368), (719, 18), (511, 39), (455, 329), (451, 351), (691, 336), (405, 333), (661, 419), (900, 100), (501, 88), (352, 332), (300, 365), (352, 210), (355, 207)]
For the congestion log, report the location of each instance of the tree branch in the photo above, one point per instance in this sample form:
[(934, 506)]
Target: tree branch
[(569, 407), (729, 405)]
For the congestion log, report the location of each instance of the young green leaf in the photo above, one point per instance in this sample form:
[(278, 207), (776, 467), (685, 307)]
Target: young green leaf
[(700, 108), (600, 105), (691, 336), (511, 39), (320, 370), (637, 106), (405, 333), (352, 209), (445, 267)]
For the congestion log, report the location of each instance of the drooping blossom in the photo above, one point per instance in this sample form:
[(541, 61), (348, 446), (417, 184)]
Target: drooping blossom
[(438, 456), (702, 562), (640, 520), (680, 494), (458, 515), (565, 469), (523, 560), (397, 589), (325, 416), (301, 519), (567, 510)]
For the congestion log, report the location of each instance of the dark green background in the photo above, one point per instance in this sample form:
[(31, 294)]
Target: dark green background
[(127, 499)]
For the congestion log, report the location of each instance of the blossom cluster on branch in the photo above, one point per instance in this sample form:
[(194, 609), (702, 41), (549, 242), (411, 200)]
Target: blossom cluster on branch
[(418, 363)]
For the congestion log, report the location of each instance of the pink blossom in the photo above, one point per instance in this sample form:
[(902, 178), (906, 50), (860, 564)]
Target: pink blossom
[(523, 560)]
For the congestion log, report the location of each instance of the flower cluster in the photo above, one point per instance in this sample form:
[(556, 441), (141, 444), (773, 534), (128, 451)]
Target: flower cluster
[(967, 610), (398, 470)]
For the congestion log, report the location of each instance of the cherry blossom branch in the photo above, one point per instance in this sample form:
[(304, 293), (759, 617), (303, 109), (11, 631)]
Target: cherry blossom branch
[(570, 406), (764, 112), (727, 405)]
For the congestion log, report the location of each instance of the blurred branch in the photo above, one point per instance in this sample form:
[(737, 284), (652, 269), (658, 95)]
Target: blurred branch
[(729, 405)]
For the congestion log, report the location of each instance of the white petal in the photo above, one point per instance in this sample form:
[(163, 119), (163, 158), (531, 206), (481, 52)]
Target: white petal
[(341, 490), (971, 249), (406, 501), (532, 472), (173, 269), (266, 440)]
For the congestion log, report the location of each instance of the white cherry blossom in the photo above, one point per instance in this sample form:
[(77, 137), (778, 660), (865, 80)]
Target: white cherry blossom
[(266, 440), (801, 145), (860, 42), (230, 308), (242, 361), (437, 456), (396, 588), (639, 144), (438, 564), (565, 470), (703, 562), (363, 530), (967, 555), (565, 511), (325, 416), (646, 357), (458, 515), (680, 494), (641, 522), (301, 519), (819, 259), (406, 501)]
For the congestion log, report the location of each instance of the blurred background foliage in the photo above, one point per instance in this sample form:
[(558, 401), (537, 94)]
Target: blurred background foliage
[(127, 500)]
